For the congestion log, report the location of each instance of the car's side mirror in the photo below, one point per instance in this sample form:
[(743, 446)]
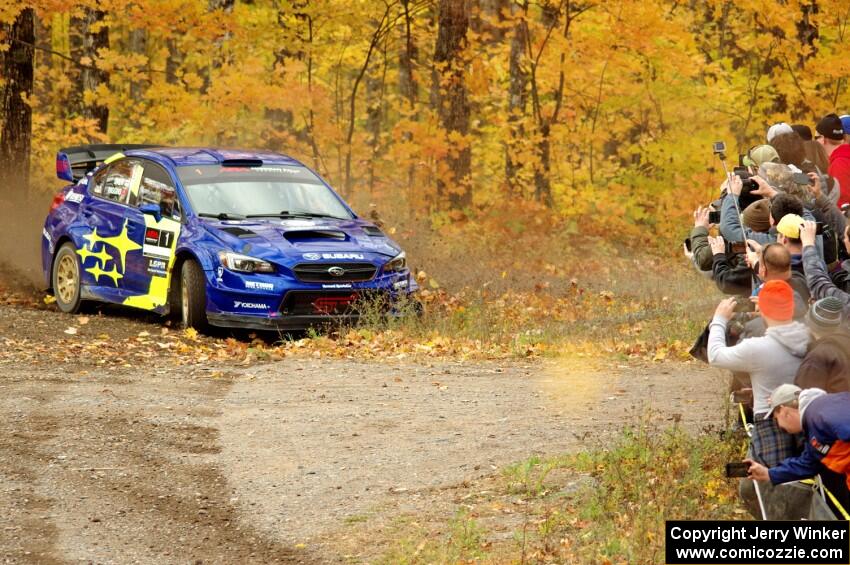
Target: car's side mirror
[(152, 209)]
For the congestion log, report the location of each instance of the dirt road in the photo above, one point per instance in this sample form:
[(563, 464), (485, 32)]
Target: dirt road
[(156, 463)]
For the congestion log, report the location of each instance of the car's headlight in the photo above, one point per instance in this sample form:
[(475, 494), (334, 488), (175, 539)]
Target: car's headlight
[(396, 264), (243, 263)]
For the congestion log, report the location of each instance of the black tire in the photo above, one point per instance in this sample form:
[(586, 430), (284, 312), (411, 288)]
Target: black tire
[(193, 296), (65, 279)]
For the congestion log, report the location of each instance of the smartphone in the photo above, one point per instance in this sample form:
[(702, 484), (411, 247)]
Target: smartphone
[(718, 147), (744, 304), (688, 244), (736, 470), (738, 247), (714, 217), (801, 178), (819, 228)]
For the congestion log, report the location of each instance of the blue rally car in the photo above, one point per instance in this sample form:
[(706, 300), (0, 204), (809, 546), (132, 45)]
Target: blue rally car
[(229, 238)]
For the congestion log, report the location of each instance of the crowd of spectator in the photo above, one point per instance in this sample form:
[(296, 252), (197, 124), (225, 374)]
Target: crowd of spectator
[(777, 242)]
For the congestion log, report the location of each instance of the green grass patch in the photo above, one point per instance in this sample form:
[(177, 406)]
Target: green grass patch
[(605, 504)]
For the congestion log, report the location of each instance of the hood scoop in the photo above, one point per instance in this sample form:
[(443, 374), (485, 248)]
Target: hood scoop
[(298, 236), (241, 233), (374, 231)]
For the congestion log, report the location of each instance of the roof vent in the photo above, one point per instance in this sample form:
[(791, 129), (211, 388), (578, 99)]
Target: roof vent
[(242, 163)]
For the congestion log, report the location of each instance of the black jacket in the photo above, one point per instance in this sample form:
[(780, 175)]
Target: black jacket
[(732, 275)]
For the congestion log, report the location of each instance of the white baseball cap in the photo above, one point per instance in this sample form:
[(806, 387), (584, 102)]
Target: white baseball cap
[(782, 395)]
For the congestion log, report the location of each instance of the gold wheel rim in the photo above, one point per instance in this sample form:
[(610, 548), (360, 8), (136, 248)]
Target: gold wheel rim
[(184, 302), (66, 278)]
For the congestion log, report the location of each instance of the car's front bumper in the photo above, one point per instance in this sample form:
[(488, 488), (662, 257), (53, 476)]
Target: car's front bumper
[(282, 323), (307, 306), (293, 323)]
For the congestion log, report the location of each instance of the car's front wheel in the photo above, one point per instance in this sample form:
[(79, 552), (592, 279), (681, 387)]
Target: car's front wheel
[(193, 296), (66, 279)]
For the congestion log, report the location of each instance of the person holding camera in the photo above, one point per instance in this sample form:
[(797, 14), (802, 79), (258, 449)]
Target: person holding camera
[(771, 360), (822, 203), (824, 420), (730, 271), (781, 204), (730, 222), (818, 280), (700, 250)]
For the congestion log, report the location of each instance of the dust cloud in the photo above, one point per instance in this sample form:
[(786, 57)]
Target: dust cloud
[(21, 221)]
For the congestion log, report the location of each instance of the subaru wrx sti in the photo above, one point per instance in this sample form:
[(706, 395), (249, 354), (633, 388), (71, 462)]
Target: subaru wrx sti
[(247, 239)]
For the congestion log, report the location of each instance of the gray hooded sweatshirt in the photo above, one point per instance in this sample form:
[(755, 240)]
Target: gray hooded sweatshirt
[(806, 397), (771, 360)]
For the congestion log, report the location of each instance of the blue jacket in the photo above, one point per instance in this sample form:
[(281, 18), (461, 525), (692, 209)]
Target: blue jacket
[(826, 426)]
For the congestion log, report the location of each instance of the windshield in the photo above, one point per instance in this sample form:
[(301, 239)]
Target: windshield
[(271, 190)]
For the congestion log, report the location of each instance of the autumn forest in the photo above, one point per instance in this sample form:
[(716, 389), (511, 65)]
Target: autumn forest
[(442, 108)]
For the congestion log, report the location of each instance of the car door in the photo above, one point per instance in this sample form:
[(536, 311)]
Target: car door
[(105, 241), (149, 271)]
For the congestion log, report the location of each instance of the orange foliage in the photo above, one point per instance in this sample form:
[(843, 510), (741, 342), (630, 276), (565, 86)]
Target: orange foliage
[(627, 94)]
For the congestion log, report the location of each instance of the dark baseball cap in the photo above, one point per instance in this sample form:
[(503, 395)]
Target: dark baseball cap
[(803, 131), (830, 127)]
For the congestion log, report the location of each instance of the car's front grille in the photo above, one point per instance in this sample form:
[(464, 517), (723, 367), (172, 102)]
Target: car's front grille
[(334, 272), (332, 302), (305, 303)]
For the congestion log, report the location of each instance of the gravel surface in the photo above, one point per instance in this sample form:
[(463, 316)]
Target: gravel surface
[(272, 463)]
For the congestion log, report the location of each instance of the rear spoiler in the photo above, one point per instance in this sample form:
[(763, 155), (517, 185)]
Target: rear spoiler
[(74, 163)]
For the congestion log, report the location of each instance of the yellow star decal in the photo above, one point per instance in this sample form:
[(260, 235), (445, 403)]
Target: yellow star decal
[(101, 255), (84, 254), (114, 275), (121, 242), (97, 272), (92, 238)]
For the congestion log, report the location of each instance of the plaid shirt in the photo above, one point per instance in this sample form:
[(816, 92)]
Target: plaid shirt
[(771, 445)]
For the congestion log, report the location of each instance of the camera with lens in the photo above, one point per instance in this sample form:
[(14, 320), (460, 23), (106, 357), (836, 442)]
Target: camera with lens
[(748, 185)]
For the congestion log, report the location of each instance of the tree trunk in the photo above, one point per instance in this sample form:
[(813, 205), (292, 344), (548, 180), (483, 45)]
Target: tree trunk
[(489, 14), (374, 100), (517, 98), (407, 59), (16, 134), (174, 61), (89, 36), (43, 37), (217, 57), (291, 46), (407, 85), (453, 108), (138, 43), (43, 90), (807, 32), (352, 101), (543, 173)]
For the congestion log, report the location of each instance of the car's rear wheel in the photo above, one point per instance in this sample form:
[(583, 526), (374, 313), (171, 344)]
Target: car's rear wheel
[(66, 279), (193, 296)]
